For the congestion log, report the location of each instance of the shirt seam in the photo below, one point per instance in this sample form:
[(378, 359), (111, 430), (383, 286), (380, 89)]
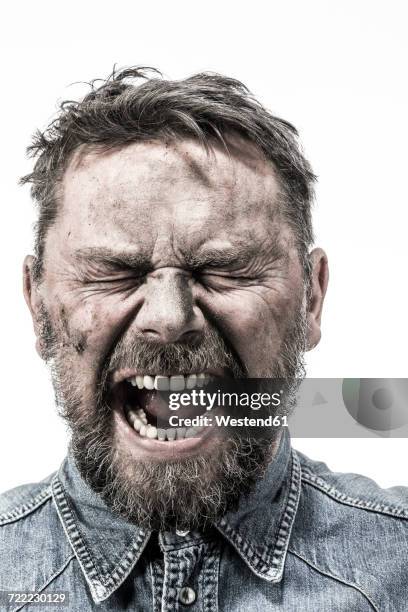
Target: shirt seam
[(336, 578), (286, 523), (155, 579), (23, 510), (51, 579), (331, 491), (210, 577), (190, 544)]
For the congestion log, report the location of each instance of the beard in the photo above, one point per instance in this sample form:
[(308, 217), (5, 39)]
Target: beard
[(188, 493)]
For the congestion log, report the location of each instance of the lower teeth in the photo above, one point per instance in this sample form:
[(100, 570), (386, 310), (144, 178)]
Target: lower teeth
[(138, 420)]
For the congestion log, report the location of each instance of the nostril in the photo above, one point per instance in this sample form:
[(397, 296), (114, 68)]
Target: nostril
[(191, 334), (171, 333), (151, 332)]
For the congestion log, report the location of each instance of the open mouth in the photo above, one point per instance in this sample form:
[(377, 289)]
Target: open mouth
[(145, 403)]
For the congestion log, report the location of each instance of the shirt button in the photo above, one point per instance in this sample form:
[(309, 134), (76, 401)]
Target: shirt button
[(187, 596), (180, 532)]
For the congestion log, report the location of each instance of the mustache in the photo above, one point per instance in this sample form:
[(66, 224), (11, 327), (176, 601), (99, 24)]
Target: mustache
[(211, 351)]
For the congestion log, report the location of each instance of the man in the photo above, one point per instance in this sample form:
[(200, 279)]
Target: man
[(172, 247)]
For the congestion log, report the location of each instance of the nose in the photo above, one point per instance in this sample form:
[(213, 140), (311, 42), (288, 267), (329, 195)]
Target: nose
[(168, 313)]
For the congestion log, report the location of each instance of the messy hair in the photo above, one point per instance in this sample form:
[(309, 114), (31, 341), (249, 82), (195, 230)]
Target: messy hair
[(138, 105)]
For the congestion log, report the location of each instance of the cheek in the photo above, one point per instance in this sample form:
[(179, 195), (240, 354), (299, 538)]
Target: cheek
[(87, 328), (253, 324)]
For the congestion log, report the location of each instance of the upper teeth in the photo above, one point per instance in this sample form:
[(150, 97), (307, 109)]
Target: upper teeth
[(169, 383)]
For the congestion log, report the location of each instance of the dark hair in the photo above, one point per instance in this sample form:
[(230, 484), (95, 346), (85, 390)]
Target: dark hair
[(137, 104)]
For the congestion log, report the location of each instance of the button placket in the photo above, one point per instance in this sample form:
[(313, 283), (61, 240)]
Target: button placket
[(181, 577), (190, 573)]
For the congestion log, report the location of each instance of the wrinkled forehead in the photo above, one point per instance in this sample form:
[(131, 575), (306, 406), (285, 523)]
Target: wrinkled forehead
[(151, 191)]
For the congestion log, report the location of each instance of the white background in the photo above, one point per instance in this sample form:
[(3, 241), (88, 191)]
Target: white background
[(337, 70)]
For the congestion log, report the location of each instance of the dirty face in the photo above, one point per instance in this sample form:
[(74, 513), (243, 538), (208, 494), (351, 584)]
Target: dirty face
[(166, 266)]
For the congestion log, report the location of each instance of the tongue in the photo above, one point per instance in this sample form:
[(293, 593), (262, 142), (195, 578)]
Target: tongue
[(153, 403), (156, 404)]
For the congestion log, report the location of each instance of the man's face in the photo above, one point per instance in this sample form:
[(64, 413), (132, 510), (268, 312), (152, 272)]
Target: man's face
[(164, 260)]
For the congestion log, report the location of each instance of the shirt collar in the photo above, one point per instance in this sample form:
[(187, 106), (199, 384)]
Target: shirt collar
[(260, 529), (108, 547)]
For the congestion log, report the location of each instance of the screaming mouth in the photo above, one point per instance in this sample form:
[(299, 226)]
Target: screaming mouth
[(144, 400)]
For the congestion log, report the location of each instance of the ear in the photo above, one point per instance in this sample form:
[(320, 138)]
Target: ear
[(32, 298), (319, 281)]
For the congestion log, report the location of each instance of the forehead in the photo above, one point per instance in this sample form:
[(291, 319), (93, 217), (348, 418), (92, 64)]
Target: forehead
[(146, 193)]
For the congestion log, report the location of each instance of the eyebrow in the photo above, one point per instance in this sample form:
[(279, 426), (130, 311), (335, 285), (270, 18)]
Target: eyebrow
[(237, 254), (111, 258), (220, 257), (234, 255)]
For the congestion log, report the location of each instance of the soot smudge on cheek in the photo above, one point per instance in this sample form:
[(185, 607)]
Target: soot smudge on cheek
[(75, 338), (80, 345)]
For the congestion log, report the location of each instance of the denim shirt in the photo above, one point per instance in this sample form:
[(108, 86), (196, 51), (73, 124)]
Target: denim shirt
[(305, 540)]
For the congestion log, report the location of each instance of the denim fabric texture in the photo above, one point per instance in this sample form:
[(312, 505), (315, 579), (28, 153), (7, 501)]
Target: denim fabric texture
[(305, 540)]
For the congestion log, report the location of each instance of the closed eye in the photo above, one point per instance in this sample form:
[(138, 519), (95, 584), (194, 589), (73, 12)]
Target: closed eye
[(108, 285), (226, 279)]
